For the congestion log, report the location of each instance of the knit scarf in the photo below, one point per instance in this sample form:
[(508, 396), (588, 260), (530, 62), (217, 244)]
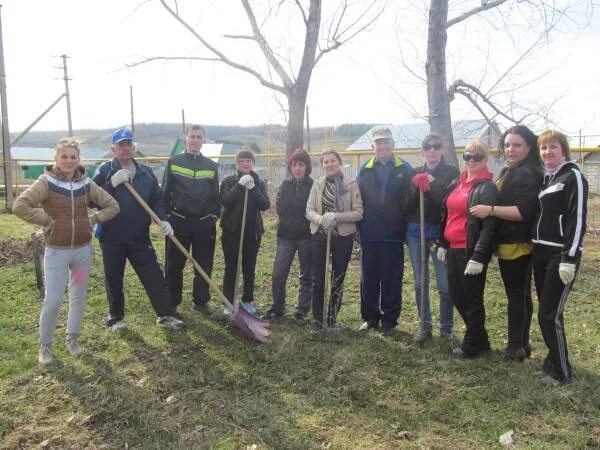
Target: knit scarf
[(340, 189)]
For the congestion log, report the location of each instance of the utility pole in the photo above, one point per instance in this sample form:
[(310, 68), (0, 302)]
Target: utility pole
[(67, 95), (131, 109), (183, 120), (307, 131), (8, 179)]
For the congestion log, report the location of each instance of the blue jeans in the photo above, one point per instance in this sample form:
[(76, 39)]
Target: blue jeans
[(441, 277)]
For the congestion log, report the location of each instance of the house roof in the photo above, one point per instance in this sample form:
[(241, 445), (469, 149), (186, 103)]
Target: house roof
[(410, 136)]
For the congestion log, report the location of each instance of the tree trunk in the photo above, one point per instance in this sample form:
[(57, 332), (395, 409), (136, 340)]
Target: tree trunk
[(295, 126), (440, 121)]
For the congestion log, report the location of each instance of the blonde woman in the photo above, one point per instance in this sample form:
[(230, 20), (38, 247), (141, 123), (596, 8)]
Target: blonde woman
[(335, 204), (467, 244), (58, 201)]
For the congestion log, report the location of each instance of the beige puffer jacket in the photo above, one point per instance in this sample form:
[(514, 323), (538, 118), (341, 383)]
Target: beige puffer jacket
[(61, 207), (352, 206)]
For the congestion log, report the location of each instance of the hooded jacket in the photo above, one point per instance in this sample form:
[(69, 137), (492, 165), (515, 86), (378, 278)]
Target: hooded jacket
[(61, 207)]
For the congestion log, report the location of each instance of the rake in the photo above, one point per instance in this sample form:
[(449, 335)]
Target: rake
[(251, 325)]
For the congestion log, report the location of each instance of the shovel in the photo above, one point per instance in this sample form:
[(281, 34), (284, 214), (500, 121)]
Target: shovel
[(326, 293), (238, 269), (252, 326), (423, 254)]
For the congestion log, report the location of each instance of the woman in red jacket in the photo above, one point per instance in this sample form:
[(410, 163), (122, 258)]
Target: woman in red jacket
[(467, 244)]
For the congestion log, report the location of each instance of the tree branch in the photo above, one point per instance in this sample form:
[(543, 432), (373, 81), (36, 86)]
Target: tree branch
[(337, 39), (301, 8), (485, 6), (265, 48), (221, 57), (462, 87), (169, 58), (239, 36)]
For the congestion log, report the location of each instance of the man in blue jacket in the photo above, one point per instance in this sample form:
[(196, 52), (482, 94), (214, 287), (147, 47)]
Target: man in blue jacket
[(127, 237), (384, 182)]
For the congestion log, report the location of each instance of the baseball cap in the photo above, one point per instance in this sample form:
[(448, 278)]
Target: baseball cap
[(381, 133), (122, 134)]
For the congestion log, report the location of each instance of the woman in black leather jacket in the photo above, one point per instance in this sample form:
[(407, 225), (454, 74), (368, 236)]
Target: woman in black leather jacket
[(519, 183), (466, 245)]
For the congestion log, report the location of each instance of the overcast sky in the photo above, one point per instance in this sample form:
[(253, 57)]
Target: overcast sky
[(362, 82)]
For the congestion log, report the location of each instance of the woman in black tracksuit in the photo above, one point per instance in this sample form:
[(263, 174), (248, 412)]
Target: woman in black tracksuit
[(518, 184), (558, 240)]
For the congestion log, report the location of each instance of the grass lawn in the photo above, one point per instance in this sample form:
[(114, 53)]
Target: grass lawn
[(210, 387)]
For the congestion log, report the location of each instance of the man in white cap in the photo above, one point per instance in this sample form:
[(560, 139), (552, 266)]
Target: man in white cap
[(127, 237), (384, 182)]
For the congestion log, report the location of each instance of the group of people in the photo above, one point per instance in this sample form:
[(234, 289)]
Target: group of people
[(532, 217)]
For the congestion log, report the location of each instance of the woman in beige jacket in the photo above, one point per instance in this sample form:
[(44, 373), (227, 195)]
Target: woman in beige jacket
[(58, 201), (334, 205)]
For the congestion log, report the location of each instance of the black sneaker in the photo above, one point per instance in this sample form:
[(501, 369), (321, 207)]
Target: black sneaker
[(316, 327), (203, 308), (272, 315), (387, 330), (299, 318)]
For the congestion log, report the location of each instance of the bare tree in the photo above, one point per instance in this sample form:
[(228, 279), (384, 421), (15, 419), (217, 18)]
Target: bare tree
[(320, 37), (544, 13)]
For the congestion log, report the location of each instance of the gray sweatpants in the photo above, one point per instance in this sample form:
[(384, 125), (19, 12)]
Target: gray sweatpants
[(61, 265)]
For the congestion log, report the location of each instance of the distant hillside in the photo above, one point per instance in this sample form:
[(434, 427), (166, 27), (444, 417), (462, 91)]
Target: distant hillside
[(159, 138)]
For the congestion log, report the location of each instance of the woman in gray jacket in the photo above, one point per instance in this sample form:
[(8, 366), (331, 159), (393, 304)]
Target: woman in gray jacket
[(335, 205)]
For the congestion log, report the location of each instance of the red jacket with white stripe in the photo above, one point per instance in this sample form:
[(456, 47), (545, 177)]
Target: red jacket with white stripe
[(561, 220)]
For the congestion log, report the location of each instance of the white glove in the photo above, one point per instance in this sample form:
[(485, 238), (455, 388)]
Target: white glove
[(566, 272), (45, 230), (93, 219), (120, 177), (166, 228), (473, 268), (328, 220), (246, 181), (441, 254)]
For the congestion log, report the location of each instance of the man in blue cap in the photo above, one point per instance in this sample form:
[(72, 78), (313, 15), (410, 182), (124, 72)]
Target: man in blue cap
[(127, 237)]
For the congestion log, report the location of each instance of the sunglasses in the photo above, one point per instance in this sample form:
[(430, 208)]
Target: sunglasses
[(432, 147), (473, 156)]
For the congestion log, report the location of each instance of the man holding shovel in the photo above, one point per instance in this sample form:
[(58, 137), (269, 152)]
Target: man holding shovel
[(127, 237), (191, 186), (384, 182)]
